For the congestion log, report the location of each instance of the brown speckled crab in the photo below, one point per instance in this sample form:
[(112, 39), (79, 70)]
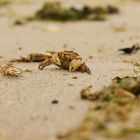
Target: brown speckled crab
[(68, 60), (10, 70)]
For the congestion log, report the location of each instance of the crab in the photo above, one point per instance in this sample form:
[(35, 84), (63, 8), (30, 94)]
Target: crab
[(10, 70), (34, 57), (68, 60)]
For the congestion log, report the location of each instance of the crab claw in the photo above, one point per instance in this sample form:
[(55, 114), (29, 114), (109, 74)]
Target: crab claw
[(55, 59), (87, 70), (75, 64), (45, 63), (84, 68)]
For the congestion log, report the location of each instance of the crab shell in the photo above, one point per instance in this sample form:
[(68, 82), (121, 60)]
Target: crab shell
[(66, 60), (10, 70), (69, 60)]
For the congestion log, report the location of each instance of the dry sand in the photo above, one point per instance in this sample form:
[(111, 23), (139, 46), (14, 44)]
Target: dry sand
[(25, 102)]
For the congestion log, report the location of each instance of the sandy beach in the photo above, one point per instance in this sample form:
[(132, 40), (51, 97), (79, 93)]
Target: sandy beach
[(26, 108)]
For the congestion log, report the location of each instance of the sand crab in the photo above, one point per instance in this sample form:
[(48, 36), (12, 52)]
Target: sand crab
[(10, 70), (68, 60), (34, 57)]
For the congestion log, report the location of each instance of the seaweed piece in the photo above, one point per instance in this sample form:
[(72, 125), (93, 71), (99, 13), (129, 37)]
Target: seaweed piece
[(55, 11), (113, 113), (121, 87)]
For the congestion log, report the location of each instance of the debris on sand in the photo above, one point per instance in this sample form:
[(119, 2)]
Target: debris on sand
[(127, 86), (10, 70), (27, 70), (132, 50), (137, 70), (119, 29), (86, 92), (74, 77), (68, 60), (91, 57), (19, 22), (55, 11), (113, 113), (55, 102)]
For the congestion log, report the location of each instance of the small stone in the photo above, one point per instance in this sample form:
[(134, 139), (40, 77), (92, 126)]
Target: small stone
[(55, 102), (71, 85), (90, 57), (71, 107), (19, 22), (74, 77), (19, 48)]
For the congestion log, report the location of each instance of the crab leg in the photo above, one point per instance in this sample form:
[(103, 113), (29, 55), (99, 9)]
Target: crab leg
[(45, 63), (84, 68), (21, 59), (33, 57)]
